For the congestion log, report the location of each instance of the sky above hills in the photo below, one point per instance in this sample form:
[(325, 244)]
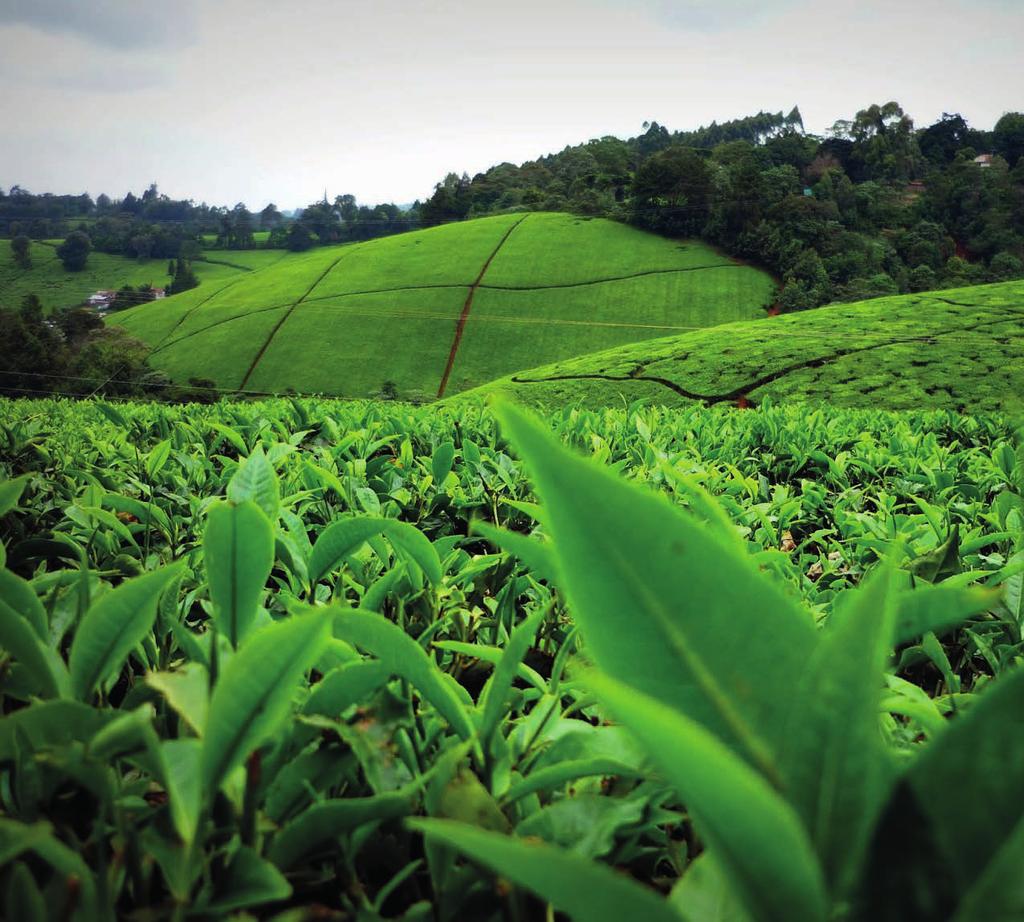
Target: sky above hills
[(258, 100)]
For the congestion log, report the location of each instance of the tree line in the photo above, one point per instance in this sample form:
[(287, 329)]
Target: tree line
[(874, 207)]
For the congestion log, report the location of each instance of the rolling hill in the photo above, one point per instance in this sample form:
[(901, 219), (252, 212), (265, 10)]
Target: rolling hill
[(57, 288), (955, 349), (441, 310)]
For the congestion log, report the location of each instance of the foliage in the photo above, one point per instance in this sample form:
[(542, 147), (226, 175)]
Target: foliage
[(74, 251), (71, 353), (242, 643), (956, 349), (20, 251), (184, 278)]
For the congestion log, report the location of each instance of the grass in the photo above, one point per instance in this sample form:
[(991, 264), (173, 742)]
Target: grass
[(533, 288), (956, 349), (57, 288)]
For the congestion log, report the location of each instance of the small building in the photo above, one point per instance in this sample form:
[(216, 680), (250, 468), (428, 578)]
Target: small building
[(102, 299), (159, 293), (983, 160)]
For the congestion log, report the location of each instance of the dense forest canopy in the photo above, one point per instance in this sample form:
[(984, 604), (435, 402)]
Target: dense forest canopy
[(875, 207)]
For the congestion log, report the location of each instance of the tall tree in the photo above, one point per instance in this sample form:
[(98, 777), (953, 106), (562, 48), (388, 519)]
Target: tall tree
[(1008, 137), (74, 251), (20, 250)]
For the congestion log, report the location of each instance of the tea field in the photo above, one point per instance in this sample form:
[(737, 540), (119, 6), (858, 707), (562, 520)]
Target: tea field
[(300, 659), (441, 310), (57, 288), (959, 349)]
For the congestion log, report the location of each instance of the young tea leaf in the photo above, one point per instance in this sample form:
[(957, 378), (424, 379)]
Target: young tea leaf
[(239, 549), (255, 690), (112, 627)]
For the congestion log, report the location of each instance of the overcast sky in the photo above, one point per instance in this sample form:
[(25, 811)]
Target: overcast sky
[(264, 100)]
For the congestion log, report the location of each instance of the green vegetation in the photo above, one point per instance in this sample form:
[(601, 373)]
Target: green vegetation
[(496, 294), (877, 207), (57, 288), (341, 658), (959, 349)]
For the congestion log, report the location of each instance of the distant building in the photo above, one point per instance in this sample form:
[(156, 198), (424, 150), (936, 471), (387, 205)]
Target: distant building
[(102, 299), (983, 160), (159, 293)]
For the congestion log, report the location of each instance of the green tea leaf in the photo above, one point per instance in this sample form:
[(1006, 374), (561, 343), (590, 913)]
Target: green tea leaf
[(584, 890), (256, 481), (834, 766), (938, 608), (239, 549), (157, 458), (970, 780), (441, 462), (403, 657), (187, 691), (10, 493), (705, 895), (112, 627), (248, 880), (495, 693), (327, 821), (19, 637), (664, 603), (754, 834), (254, 692), (346, 536)]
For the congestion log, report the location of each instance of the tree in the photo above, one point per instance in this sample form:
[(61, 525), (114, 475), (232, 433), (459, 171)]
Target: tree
[(184, 277), (299, 238), (1006, 266), (74, 251), (941, 141), (270, 217), (672, 192), (31, 309), (33, 358), (21, 251), (1008, 137)]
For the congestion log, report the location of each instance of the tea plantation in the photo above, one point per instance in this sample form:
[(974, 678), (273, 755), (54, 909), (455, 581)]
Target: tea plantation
[(960, 349), (300, 659), (444, 309)]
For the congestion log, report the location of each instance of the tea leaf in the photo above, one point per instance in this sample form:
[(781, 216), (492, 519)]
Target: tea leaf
[(754, 834), (582, 889), (665, 604), (112, 627), (254, 692), (239, 550)]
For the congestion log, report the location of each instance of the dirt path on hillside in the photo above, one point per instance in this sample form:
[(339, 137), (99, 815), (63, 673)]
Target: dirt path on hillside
[(468, 306), (285, 316)]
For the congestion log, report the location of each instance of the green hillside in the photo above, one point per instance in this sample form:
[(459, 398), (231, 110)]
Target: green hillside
[(955, 349), (445, 309), (57, 288)]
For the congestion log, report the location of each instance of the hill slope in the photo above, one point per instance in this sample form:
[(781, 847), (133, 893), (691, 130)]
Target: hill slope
[(958, 349), (444, 309), (57, 288)]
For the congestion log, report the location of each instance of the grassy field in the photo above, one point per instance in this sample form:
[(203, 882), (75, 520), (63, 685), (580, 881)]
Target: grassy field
[(957, 349), (57, 288), (488, 296), (311, 659)]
